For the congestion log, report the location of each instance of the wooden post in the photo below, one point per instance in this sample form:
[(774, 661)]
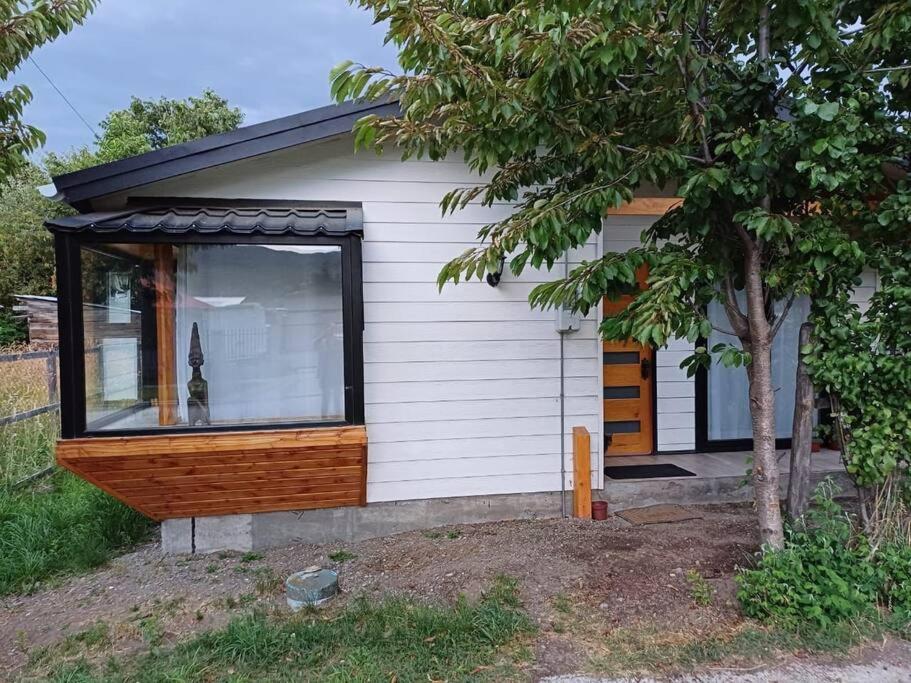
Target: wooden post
[(165, 313), (51, 365), (802, 434), (582, 477)]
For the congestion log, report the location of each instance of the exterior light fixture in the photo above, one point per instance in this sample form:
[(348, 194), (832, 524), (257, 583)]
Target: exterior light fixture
[(493, 279)]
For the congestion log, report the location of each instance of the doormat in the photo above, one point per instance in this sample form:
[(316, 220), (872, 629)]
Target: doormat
[(645, 471), (658, 514)]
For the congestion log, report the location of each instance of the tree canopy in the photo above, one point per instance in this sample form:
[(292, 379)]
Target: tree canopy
[(783, 126), (25, 26), (26, 248)]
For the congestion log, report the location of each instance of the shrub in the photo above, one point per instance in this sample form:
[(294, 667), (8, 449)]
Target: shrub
[(12, 331), (827, 573)]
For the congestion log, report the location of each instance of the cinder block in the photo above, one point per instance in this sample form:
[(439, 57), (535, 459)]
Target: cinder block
[(177, 536), (224, 532)]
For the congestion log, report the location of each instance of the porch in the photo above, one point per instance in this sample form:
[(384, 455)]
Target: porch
[(719, 478)]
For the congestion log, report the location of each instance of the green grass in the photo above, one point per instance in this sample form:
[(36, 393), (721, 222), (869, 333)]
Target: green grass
[(394, 639), (637, 651), (63, 525), (341, 556)]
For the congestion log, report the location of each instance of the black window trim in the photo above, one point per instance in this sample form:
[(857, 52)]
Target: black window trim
[(72, 340)]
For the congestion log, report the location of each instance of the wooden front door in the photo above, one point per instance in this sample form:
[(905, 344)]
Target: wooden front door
[(628, 380)]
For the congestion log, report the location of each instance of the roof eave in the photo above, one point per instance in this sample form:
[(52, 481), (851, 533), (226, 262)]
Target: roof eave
[(79, 188)]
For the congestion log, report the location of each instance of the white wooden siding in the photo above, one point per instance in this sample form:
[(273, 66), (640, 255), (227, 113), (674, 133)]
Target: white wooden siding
[(461, 387)]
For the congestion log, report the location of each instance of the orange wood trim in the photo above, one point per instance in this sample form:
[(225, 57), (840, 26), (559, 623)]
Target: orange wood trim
[(582, 485), (165, 318), (362, 499), (646, 206), (617, 409), (199, 474), (203, 443), (622, 375), (646, 391)]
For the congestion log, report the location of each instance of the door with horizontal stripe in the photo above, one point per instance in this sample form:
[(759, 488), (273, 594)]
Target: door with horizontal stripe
[(628, 389)]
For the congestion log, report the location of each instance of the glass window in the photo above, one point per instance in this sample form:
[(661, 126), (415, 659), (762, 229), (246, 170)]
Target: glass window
[(199, 335), (728, 388)]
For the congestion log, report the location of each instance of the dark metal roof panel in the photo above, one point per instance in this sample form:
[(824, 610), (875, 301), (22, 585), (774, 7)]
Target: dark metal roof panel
[(214, 150), (286, 220)]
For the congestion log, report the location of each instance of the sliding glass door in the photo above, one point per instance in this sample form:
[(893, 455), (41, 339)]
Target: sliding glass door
[(725, 391)]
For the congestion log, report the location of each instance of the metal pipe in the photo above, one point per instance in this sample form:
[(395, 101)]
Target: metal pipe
[(563, 406)]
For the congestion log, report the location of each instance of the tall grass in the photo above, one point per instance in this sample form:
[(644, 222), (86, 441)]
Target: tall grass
[(57, 525), (64, 525), (394, 639), (26, 446)]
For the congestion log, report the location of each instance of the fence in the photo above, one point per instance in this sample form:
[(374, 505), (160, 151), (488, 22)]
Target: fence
[(52, 405)]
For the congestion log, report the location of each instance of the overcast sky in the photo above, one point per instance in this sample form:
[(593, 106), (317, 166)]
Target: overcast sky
[(268, 57)]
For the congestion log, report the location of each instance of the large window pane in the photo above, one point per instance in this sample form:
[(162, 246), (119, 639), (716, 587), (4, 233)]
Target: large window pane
[(268, 345), (728, 389)]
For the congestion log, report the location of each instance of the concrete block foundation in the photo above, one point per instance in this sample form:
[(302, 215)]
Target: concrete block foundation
[(718, 480)]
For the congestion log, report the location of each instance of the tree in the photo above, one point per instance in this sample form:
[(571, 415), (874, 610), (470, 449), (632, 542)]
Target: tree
[(152, 124), (26, 248), (774, 121), (23, 28)]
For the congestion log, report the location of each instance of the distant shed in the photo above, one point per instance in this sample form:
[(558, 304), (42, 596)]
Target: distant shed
[(41, 314)]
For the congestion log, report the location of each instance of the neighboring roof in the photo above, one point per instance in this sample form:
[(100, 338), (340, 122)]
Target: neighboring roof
[(264, 220), (214, 150), (35, 297)]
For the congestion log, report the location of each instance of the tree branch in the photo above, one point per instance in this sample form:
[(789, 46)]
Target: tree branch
[(784, 314)]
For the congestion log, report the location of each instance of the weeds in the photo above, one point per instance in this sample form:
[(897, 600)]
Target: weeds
[(638, 651), (68, 526), (342, 556), (700, 590), (394, 639)]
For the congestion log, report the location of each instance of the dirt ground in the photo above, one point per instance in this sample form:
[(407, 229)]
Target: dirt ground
[(598, 575)]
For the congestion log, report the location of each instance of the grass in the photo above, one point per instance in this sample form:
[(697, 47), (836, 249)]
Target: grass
[(26, 446), (56, 525), (649, 651), (393, 639), (341, 556), (65, 525)]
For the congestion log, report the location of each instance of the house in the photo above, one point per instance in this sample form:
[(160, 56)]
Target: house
[(254, 348)]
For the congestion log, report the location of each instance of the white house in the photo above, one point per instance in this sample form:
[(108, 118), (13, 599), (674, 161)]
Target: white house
[(336, 382)]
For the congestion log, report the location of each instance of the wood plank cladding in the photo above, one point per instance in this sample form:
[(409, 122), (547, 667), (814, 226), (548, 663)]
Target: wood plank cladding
[(219, 473), (165, 316)]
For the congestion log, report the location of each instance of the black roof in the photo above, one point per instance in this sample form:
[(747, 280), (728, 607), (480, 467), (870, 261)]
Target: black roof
[(333, 220), (309, 126)]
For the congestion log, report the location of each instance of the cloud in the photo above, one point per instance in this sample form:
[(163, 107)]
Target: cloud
[(271, 58)]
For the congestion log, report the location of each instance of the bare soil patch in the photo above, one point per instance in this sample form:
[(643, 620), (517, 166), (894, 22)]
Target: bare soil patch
[(599, 575)]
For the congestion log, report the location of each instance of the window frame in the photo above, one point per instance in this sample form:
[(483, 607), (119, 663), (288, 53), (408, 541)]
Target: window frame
[(72, 340)]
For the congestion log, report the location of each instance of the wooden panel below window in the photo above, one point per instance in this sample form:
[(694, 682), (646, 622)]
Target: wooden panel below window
[(195, 475)]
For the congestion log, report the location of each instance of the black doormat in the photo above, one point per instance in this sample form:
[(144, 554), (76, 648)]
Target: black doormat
[(645, 471)]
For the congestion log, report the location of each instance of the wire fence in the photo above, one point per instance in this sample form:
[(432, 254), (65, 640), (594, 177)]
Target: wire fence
[(29, 422)]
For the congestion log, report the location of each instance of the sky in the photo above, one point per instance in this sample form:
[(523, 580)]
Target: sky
[(271, 58)]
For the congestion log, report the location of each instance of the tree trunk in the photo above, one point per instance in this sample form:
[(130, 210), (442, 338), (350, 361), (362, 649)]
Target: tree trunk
[(802, 435), (762, 406)]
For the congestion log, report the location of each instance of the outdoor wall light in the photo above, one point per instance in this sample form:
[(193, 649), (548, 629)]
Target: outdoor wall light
[(493, 279)]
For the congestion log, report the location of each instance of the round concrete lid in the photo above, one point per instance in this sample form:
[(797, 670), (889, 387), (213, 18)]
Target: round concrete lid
[(312, 586)]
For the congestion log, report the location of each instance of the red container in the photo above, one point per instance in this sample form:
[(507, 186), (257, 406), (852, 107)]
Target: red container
[(599, 510)]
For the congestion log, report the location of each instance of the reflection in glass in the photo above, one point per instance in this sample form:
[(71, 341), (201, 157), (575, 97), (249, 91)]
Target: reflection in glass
[(270, 334)]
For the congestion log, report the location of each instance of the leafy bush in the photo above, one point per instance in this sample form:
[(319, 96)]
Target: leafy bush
[(827, 573), (73, 527), (12, 331)]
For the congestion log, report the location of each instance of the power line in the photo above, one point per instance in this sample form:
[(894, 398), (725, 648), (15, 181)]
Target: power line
[(60, 92)]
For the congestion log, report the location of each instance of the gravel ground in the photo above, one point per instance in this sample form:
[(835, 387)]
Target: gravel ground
[(578, 580)]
